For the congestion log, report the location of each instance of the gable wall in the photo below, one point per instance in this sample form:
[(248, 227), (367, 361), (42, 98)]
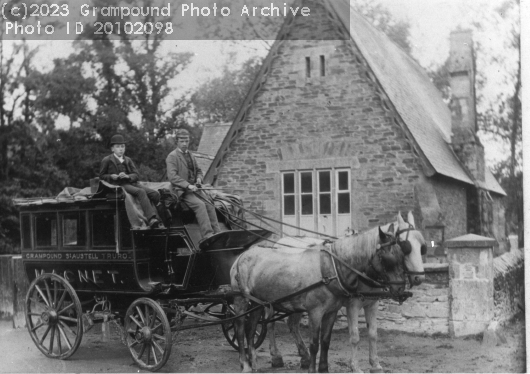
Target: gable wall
[(299, 123)]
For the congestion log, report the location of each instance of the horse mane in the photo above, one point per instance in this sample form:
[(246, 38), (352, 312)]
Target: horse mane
[(358, 249)]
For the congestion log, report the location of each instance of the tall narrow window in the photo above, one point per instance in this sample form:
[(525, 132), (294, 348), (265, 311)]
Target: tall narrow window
[(306, 192), (343, 192), (324, 192), (74, 229), (308, 67), (322, 66), (46, 229), (26, 232), (288, 195), (103, 229)]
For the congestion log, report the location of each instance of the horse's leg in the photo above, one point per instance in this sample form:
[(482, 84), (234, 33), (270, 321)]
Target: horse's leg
[(315, 318), (370, 312), (352, 311), (251, 332), (294, 327), (240, 307), (327, 328), (276, 356)]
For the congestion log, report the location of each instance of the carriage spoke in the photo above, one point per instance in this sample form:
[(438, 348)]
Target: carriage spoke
[(61, 300), (66, 308), (50, 350), (38, 326), (141, 316), (37, 303), (135, 321), (134, 344), (148, 352), (154, 354), (59, 346), (65, 337), (160, 337), (148, 317), (68, 319), (45, 334), (48, 292), (157, 327), (64, 325), (157, 346), (42, 295), (140, 354), (55, 295)]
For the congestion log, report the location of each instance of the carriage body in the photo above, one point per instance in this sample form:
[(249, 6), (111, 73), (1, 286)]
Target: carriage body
[(90, 244)]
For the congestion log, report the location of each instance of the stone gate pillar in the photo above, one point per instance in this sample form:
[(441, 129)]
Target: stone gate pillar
[(471, 307)]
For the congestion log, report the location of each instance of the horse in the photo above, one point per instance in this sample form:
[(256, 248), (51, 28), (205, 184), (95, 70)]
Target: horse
[(316, 281), (411, 241)]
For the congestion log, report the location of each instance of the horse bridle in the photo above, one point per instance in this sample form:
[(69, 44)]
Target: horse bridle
[(404, 243)]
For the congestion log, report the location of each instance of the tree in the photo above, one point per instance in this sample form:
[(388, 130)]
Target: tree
[(219, 99)]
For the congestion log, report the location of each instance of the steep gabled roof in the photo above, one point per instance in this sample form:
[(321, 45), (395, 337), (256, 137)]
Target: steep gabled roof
[(415, 98), (212, 137)]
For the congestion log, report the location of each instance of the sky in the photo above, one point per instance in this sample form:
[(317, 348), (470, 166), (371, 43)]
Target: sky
[(431, 23)]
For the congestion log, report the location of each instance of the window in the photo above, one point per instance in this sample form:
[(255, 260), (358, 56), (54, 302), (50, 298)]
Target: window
[(46, 229), (103, 229), (125, 227), (322, 66), (308, 67), (316, 200), (74, 229), (26, 232)]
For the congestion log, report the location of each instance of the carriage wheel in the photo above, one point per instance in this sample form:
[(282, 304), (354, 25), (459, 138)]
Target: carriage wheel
[(229, 328), (148, 334), (54, 316)]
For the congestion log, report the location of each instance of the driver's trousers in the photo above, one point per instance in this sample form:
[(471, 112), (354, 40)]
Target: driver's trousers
[(205, 213)]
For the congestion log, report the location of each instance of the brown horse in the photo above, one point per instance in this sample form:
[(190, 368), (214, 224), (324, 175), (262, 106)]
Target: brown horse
[(316, 281), (412, 243)]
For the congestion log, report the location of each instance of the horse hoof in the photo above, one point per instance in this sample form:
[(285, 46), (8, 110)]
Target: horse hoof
[(277, 362)]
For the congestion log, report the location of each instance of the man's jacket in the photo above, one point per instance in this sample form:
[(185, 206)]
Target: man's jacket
[(109, 165), (177, 170)]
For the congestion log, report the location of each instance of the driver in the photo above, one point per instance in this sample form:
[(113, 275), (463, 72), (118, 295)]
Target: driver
[(184, 173)]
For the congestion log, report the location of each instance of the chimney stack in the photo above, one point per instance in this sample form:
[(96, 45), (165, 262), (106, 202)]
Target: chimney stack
[(464, 128)]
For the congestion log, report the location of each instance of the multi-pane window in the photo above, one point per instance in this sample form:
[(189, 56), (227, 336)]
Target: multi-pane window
[(316, 200)]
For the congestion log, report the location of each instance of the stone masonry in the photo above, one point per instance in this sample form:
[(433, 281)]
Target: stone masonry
[(341, 109)]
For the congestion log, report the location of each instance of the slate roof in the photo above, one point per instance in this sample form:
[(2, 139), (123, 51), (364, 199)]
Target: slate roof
[(212, 137), (415, 98)]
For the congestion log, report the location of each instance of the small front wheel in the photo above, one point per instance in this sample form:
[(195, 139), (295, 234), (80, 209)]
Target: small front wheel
[(148, 334), (229, 330), (54, 316)]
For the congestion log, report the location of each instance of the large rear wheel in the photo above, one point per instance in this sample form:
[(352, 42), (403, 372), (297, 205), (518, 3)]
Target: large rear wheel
[(54, 316), (229, 330), (148, 334)]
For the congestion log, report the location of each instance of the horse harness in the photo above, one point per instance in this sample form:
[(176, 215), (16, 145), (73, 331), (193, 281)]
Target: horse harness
[(406, 247)]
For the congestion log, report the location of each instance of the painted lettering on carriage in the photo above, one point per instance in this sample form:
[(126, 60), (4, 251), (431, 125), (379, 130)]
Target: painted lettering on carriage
[(85, 276), (78, 256)]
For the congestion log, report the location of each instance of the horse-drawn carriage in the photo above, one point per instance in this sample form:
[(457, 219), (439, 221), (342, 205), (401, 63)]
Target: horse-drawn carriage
[(87, 264)]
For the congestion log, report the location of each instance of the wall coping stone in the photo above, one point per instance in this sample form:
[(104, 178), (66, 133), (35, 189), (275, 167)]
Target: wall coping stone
[(470, 241), (433, 267)]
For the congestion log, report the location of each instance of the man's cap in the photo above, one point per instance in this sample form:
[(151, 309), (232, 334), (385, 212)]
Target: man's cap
[(117, 139), (183, 133)]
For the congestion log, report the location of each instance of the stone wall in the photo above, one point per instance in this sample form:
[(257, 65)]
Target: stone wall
[(508, 285), (452, 199), (341, 109)]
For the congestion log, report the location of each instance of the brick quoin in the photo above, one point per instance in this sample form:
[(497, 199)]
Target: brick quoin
[(341, 107)]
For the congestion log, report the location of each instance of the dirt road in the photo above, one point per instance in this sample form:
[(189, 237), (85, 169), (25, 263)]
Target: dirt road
[(206, 350)]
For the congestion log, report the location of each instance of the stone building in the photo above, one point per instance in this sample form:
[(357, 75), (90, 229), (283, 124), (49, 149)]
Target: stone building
[(342, 129)]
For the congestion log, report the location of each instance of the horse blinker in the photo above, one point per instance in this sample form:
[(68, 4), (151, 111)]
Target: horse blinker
[(405, 247), (423, 249)]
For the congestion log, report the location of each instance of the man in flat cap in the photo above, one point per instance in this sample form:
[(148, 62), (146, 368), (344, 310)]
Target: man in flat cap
[(184, 173), (119, 170)]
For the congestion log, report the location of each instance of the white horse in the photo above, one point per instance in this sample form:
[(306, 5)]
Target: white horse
[(316, 281), (412, 241)]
